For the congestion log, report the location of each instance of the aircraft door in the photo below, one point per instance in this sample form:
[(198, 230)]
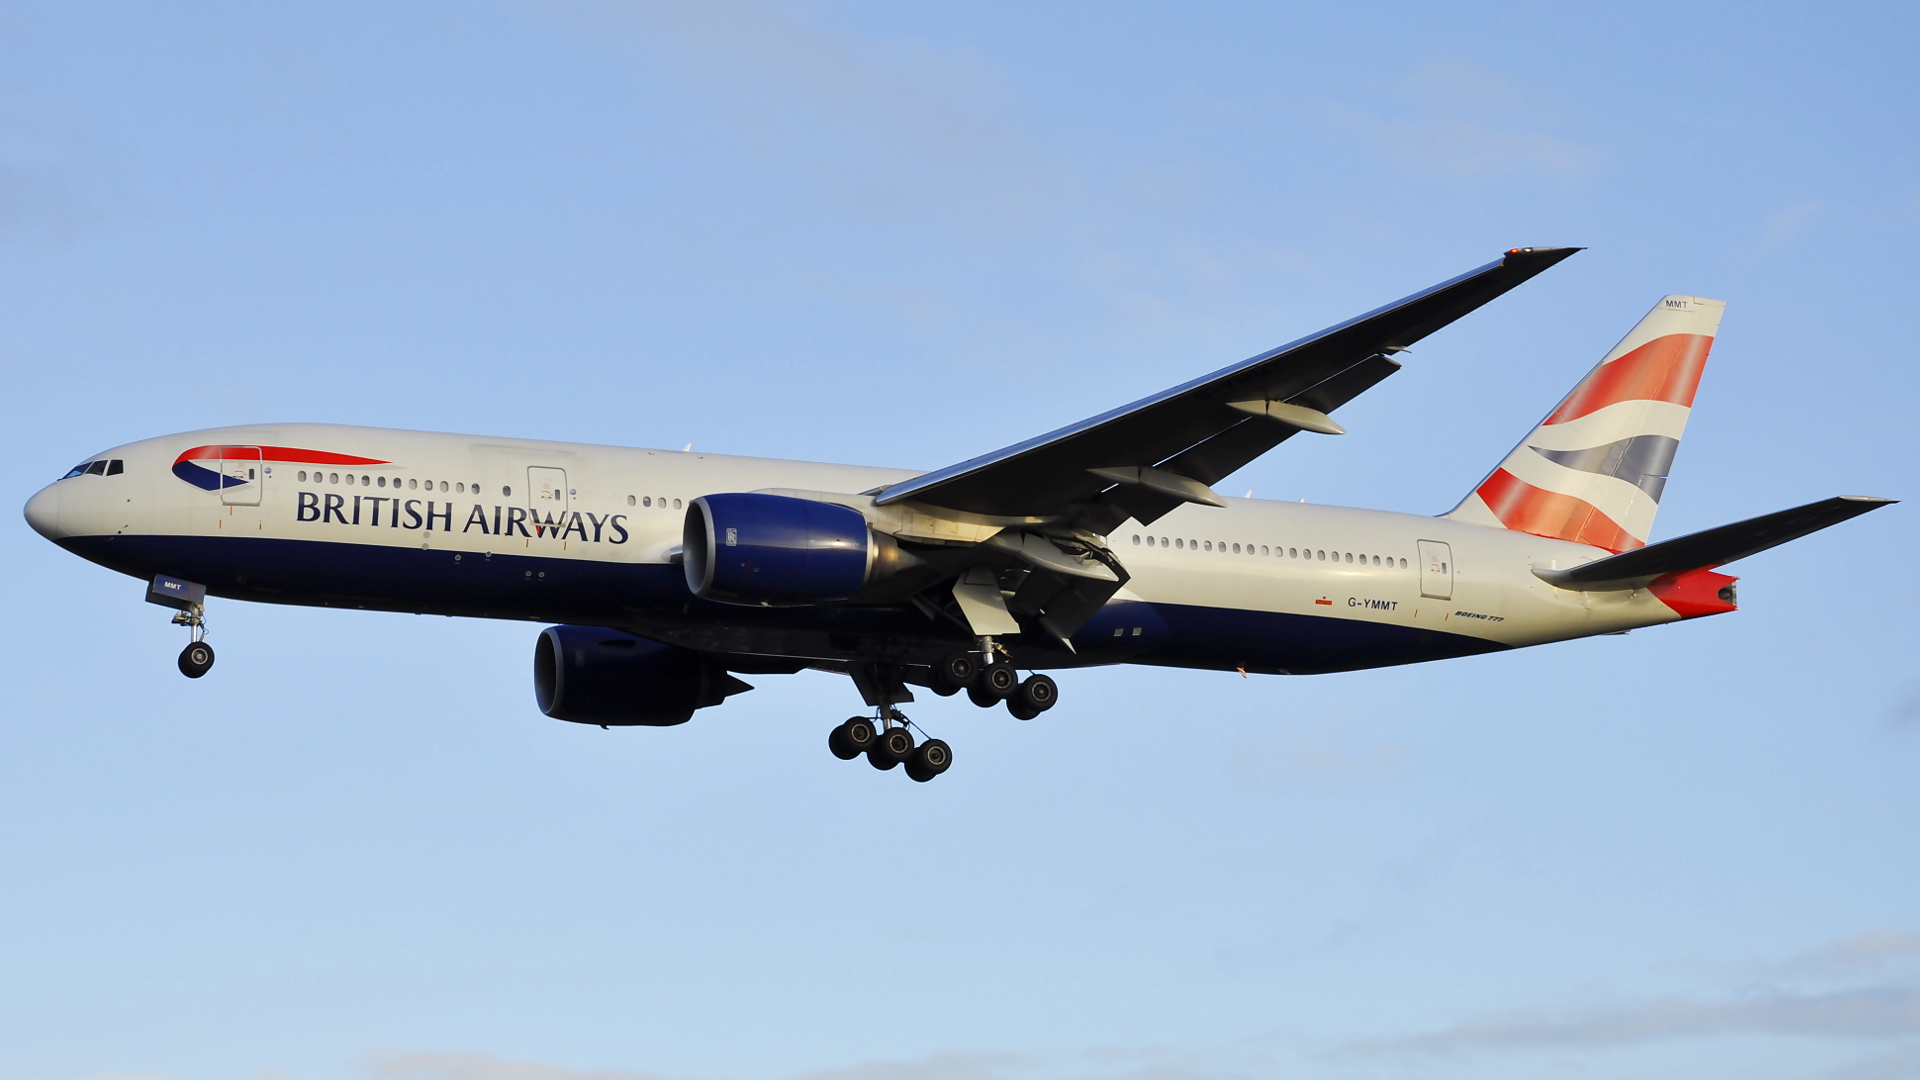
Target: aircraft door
[(242, 475), (1436, 570), (547, 493)]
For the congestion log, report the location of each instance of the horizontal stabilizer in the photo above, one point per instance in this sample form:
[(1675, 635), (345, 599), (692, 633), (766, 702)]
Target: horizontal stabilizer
[(1713, 547)]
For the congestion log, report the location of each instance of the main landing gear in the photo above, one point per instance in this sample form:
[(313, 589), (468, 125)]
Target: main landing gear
[(993, 682), (887, 742)]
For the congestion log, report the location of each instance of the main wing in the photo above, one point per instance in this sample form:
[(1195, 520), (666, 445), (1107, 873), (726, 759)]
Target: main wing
[(1144, 459)]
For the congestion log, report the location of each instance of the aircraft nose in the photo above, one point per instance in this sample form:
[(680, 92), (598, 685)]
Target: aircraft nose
[(43, 512)]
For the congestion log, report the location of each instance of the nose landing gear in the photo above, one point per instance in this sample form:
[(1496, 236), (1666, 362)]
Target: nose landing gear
[(188, 601)]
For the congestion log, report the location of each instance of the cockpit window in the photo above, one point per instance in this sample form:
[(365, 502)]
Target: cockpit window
[(115, 467), (98, 468), (76, 470)]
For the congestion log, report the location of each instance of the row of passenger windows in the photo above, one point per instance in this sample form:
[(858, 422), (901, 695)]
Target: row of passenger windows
[(1318, 555), (381, 481), (105, 467), (412, 485)]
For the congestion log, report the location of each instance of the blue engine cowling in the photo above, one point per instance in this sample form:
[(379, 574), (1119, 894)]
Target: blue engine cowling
[(772, 549), (593, 675)]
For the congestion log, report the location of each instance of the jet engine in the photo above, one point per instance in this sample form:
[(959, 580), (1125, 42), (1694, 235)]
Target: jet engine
[(593, 675), (775, 550)]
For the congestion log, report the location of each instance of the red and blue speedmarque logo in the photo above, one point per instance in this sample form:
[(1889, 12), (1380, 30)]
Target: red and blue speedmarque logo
[(192, 466)]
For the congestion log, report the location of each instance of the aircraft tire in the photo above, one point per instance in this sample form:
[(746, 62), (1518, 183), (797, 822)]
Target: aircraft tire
[(1020, 709), (930, 759), (954, 671), (999, 679), (982, 698), (851, 739), (196, 659), (1039, 693), (892, 747)]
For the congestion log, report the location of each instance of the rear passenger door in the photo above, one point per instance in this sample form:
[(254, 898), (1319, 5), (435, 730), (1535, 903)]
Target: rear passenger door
[(1436, 570)]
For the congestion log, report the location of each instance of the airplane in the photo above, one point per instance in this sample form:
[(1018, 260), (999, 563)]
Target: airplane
[(667, 574)]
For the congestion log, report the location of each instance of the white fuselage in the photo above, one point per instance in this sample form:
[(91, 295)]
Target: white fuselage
[(442, 502)]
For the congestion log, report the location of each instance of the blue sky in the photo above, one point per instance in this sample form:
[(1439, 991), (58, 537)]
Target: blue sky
[(902, 236)]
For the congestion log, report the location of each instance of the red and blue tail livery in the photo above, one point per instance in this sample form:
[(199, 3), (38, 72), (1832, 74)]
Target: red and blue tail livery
[(670, 575)]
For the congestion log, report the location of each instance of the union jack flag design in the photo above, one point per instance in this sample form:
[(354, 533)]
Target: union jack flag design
[(1594, 469)]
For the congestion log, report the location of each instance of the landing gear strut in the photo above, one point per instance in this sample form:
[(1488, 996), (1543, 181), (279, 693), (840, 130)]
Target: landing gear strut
[(197, 658), (188, 601)]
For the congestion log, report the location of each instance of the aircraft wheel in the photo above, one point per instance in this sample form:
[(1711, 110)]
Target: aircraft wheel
[(982, 698), (943, 689), (196, 659), (1020, 709), (954, 671), (893, 746), (851, 739), (999, 679), (929, 760), (1038, 693)]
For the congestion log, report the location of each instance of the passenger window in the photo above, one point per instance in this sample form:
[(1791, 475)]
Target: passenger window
[(303, 476), (645, 500), (1293, 553), (1403, 564), (413, 484), (508, 491), (676, 504), (1136, 539), (460, 489), (382, 482), (1322, 556), (1376, 560), (1236, 549), (115, 467), (333, 478), (630, 500), (1349, 557), (443, 487), (1178, 543), (1209, 545)]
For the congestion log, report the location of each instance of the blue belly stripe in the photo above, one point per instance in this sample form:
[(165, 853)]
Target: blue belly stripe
[(653, 599)]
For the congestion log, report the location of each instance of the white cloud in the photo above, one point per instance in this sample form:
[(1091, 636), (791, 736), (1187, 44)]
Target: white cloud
[(1888, 1012), (1870, 952), (1469, 122), (1785, 225), (455, 1065)]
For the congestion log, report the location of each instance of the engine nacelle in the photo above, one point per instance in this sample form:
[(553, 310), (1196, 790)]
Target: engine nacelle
[(771, 549), (592, 675)]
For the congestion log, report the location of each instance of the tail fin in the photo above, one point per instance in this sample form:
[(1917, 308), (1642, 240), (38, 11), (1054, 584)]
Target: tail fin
[(1593, 470)]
